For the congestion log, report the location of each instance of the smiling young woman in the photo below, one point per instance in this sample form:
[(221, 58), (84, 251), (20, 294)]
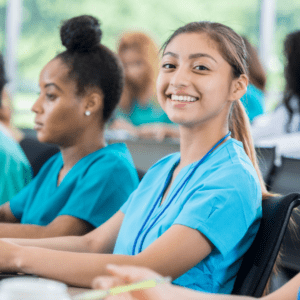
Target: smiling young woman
[(199, 208), (87, 182)]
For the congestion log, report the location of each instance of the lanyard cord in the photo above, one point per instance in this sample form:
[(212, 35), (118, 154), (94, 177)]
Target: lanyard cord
[(161, 194)]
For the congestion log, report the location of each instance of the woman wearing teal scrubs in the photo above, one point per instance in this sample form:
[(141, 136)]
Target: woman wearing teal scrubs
[(81, 187), (195, 213)]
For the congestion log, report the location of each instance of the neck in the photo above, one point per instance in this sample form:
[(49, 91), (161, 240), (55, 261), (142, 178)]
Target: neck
[(89, 143), (197, 141)]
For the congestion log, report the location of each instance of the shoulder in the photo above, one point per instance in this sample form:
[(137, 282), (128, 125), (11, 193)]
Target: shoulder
[(230, 167), (112, 158), (11, 150)]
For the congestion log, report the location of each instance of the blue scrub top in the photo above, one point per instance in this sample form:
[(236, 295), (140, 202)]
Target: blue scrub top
[(93, 190), (222, 200), (15, 168), (143, 114), (254, 102)]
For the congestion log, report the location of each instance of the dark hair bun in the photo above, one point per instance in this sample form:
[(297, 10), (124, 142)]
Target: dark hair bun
[(81, 34)]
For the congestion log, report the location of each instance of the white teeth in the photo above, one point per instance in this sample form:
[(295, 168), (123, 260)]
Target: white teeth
[(183, 98)]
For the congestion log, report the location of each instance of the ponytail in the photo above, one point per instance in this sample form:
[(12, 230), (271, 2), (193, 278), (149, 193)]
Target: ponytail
[(239, 125)]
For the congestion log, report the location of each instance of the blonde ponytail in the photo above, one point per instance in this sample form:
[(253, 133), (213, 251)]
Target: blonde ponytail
[(239, 125)]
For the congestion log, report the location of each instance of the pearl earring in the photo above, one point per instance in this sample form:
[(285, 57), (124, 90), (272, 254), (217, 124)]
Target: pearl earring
[(87, 113)]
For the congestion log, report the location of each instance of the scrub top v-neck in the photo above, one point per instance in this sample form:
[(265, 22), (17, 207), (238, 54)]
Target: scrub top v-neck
[(93, 190), (222, 200)]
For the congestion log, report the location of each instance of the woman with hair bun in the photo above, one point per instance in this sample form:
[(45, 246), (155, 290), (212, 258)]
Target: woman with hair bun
[(81, 187), (195, 213)]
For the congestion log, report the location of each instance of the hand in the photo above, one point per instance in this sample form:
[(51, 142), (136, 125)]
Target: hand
[(129, 274)]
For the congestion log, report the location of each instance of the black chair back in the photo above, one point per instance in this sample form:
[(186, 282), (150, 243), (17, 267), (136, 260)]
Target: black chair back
[(37, 153), (287, 180), (266, 159), (259, 260), (287, 177)]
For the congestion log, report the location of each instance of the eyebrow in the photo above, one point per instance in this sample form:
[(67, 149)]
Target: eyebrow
[(191, 56), (53, 84)]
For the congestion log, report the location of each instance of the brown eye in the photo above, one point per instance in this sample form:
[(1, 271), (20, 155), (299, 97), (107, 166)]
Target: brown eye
[(168, 66), (201, 68), (50, 97)]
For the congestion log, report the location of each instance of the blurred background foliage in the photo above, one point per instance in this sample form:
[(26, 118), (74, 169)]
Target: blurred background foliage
[(41, 20)]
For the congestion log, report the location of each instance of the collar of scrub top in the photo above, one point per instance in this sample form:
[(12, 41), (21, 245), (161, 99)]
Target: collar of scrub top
[(174, 196)]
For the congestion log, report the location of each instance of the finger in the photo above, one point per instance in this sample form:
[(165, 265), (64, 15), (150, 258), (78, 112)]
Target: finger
[(106, 282)]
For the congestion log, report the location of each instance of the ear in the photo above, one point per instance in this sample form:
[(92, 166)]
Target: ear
[(93, 102), (239, 87)]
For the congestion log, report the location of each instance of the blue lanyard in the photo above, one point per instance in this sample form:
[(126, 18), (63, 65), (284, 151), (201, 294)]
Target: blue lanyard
[(174, 196)]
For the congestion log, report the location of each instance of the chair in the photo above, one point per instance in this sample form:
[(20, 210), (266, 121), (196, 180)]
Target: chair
[(37, 153), (266, 159), (141, 173), (287, 180), (287, 177), (259, 260)]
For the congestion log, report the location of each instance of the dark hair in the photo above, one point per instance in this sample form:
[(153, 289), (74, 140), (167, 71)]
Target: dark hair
[(257, 74), (3, 79), (233, 50), (91, 64), (292, 73)]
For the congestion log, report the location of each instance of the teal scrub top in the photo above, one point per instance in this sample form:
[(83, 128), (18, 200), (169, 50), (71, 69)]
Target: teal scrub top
[(93, 190), (254, 102), (222, 200), (143, 114), (16, 170)]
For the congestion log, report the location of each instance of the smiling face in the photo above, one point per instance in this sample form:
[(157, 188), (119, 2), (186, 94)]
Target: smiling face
[(59, 113), (195, 85)]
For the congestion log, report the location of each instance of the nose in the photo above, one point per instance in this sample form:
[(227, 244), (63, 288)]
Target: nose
[(180, 78), (37, 105)]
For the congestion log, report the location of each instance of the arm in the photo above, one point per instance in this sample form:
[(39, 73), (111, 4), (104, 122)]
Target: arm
[(289, 291), (6, 216), (60, 226), (79, 269), (101, 239)]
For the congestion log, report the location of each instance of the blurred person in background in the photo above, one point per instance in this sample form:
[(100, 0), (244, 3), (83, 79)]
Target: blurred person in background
[(254, 100), (285, 118), (16, 172), (84, 184), (138, 111)]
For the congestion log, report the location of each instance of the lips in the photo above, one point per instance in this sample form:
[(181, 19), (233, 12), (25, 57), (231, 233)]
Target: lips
[(37, 125)]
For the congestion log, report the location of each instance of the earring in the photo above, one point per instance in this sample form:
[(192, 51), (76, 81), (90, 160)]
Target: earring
[(87, 113)]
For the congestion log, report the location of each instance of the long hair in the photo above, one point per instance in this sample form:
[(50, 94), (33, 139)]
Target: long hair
[(256, 72), (233, 50), (143, 44)]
